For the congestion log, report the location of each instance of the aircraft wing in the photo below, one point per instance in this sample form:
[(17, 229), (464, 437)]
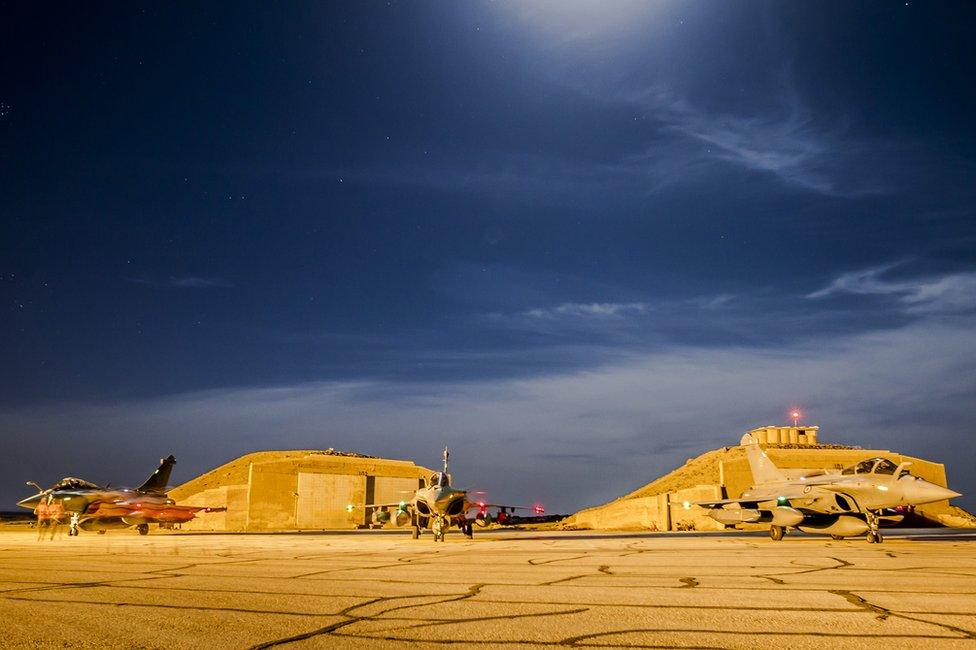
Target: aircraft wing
[(380, 506), (157, 512), (481, 505), (725, 502)]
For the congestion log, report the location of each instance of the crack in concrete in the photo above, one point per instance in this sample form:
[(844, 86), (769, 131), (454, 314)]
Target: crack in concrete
[(769, 576), (474, 590), (434, 622), (574, 641), (854, 599), (883, 613), (73, 585), (535, 562)]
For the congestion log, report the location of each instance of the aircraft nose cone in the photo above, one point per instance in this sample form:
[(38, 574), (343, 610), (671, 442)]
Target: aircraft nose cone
[(444, 497), (30, 502), (925, 492)]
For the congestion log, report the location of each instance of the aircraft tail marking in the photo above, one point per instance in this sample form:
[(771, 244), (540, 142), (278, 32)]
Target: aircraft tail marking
[(763, 469), (159, 479)]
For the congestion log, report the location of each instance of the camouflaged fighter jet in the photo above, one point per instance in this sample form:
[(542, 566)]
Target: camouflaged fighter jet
[(438, 506), (854, 502), (99, 509)]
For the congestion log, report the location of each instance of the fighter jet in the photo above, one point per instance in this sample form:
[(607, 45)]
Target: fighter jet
[(94, 508), (854, 502), (438, 506)]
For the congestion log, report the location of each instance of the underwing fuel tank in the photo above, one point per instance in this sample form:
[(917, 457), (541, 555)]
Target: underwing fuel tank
[(778, 516), (402, 518), (784, 516), (843, 525), (731, 516)]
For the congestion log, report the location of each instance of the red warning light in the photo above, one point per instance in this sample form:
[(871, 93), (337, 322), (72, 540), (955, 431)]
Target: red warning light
[(539, 510)]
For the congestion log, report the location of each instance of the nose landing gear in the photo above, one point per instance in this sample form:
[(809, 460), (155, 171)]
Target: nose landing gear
[(439, 528)]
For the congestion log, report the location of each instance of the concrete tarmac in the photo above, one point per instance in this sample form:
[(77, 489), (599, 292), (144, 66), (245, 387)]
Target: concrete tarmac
[(503, 589)]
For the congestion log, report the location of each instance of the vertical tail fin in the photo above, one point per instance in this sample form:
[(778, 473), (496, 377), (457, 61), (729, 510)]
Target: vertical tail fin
[(763, 469), (159, 479)]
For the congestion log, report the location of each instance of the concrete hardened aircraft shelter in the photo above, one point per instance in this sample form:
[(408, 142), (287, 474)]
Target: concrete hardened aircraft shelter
[(297, 490)]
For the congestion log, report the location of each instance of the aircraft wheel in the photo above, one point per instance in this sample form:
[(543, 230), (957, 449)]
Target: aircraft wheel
[(101, 532), (878, 537), (837, 538), (143, 529), (776, 533), (469, 530), (872, 538)]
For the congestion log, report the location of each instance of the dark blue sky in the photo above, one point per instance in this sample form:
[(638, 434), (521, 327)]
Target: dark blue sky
[(578, 242)]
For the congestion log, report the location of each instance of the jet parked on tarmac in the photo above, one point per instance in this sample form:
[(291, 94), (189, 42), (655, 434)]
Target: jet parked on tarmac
[(106, 508), (854, 502), (438, 506)]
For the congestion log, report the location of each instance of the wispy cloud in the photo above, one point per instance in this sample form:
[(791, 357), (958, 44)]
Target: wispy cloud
[(948, 293), (784, 142), (625, 322), (183, 282), (588, 310)]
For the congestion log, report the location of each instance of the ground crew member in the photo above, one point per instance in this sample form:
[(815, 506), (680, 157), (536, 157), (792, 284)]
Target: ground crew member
[(43, 518), (56, 513)]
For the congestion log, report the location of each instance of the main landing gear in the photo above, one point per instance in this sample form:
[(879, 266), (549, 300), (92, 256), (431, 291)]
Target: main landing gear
[(143, 529), (776, 533), (874, 536), (468, 530)]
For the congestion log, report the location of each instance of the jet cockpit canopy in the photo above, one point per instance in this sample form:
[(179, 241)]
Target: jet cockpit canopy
[(440, 479), (72, 483), (873, 466)]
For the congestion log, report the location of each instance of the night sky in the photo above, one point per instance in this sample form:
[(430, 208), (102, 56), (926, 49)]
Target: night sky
[(577, 242)]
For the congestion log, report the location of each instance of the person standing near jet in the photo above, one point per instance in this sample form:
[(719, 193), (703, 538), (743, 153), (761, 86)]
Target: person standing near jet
[(57, 515), (43, 518)]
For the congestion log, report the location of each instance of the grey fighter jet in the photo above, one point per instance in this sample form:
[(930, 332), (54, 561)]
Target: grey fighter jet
[(854, 502), (438, 506)]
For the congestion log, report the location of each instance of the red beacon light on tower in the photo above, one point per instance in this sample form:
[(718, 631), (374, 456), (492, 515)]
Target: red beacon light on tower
[(796, 415)]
